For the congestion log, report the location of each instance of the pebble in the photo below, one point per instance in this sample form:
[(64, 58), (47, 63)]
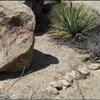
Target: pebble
[(84, 70), (64, 83), (94, 66), (52, 90), (64, 88), (56, 85), (73, 74), (68, 78)]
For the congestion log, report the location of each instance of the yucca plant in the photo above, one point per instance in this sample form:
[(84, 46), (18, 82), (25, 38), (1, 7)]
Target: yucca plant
[(72, 21)]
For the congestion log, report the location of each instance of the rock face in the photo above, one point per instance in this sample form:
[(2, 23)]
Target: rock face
[(17, 23)]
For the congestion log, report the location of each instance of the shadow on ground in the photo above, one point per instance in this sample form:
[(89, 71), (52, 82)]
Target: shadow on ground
[(40, 61)]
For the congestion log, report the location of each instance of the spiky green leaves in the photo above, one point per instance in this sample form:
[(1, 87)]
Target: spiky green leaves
[(72, 21)]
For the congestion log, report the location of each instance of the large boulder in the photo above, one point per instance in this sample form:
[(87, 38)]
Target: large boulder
[(17, 23)]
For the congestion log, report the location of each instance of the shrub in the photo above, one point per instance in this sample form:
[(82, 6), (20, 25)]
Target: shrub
[(72, 21)]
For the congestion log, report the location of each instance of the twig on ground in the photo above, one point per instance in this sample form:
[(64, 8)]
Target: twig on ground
[(17, 79)]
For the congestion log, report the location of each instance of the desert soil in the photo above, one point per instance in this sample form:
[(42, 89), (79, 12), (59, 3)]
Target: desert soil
[(50, 62)]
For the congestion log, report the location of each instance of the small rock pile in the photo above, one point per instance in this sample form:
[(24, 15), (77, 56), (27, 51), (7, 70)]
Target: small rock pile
[(82, 72)]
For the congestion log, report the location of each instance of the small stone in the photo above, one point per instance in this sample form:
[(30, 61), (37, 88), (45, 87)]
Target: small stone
[(86, 58), (76, 75), (64, 83), (73, 74), (64, 87), (84, 70), (56, 85), (52, 90), (2, 86), (94, 66), (68, 78)]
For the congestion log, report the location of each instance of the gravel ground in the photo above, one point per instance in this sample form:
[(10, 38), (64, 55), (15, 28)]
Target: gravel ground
[(50, 62)]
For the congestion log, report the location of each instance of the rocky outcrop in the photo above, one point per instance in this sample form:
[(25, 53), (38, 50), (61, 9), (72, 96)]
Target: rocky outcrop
[(17, 23)]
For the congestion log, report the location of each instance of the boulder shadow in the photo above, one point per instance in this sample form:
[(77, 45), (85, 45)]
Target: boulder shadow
[(40, 61)]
